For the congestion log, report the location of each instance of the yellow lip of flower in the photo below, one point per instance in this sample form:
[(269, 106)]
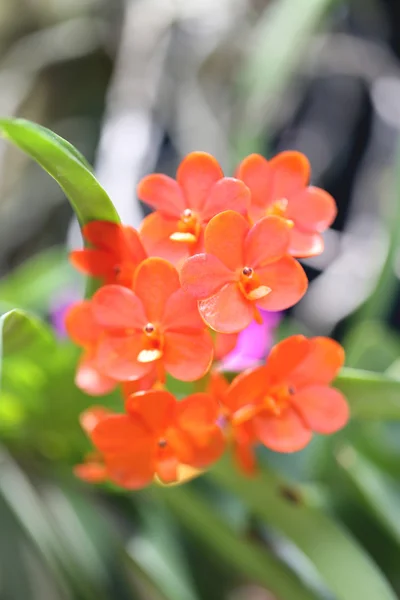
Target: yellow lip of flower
[(188, 228)]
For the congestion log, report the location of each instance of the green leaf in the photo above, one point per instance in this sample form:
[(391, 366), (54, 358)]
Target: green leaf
[(246, 558), (379, 492), (371, 345), (23, 333), (157, 551), (66, 165), (345, 568), (370, 395)]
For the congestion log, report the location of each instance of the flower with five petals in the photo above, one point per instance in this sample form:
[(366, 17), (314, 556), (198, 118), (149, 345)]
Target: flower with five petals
[(281, 187), (185, 205), (282, 403), (156, 436), (243, 268), (153, 327)]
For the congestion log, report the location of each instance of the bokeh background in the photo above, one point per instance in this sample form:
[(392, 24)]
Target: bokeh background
[(136, 85)]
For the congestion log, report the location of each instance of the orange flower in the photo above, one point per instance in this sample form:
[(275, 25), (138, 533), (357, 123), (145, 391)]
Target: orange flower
[(185, 206), (116, 252), (243, 268), (153, 328), (283, 402), (93, 469), (84, 331), (156, 436), (281, 187)]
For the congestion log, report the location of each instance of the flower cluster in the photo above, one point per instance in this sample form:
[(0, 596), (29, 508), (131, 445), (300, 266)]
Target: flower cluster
[(206, 265)]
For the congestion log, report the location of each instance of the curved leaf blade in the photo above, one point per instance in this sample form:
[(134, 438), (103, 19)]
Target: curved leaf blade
[(250, 560), (372, 396), (380, 492), (344, 567), (66, 165), (22, 332)]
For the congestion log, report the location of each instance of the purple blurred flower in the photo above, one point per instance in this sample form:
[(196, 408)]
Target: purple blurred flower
[(253, 343), (58, 310)]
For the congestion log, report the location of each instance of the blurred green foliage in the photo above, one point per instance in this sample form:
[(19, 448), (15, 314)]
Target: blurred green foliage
[(325, 527)]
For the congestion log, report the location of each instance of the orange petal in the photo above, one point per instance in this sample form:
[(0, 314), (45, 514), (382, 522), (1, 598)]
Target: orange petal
[(167, 465), (97, 263), (155, 281), (104, 235), (288, 283), (81, 325), (91, 472), (217, 385), (156, 232), (320, 365), (284, 359), (155, 408), (90, 380), (139, 385), (286, 433), (132, 471), (115, 306), (244, 457), (188, 356), (227, 194), (181, 313), (304, 245), (323, 409), (290, 172), (91, 417), (204, 274), (224, 343), (197, 414), (279, 178), (227, 311), (117, 358), (267, 241), (133, 249), (254, 170), (206, 454), (162, 193), (224, 237), (247, 389), (196, 175), (312, 209), (121, 434)]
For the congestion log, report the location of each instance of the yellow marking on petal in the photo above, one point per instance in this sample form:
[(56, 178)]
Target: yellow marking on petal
[(259, 292), (179, 236), (185, 473), (147, 356)]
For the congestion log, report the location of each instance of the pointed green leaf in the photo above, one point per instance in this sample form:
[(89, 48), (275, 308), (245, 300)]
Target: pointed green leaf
[(370, 395), (345, 568), (252, 561), (24, 334), (379, 492), (66, 165)]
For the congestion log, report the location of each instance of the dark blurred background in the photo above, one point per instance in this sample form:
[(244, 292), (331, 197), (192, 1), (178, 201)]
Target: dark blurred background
[(136, 85)]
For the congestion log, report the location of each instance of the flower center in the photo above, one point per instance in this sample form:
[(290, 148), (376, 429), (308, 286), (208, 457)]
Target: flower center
[(274, 402), (162, 443), (277, 399), (152, 344), (188, 227), (278, 209), (250, 285)]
